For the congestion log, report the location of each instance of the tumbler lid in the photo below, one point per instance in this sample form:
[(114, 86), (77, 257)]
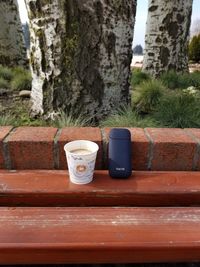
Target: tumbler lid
[(120, 133)]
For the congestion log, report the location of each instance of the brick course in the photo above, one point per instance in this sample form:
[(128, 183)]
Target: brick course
[(32, 148), (161, 149), (173, 149)]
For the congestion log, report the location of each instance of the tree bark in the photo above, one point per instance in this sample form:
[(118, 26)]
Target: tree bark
[(167, 36), (12, 45), (80, 55)]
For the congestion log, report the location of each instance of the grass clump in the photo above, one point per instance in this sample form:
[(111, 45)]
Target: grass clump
[(128, 118), (70, 120), (147, 96), (22, 81), (179, 110), (3, 83), (6, 73), (18, 115), (170, 79), (138, 77), (6, 119)]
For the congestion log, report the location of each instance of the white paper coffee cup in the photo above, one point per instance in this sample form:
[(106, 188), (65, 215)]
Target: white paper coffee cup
[(81, 158)]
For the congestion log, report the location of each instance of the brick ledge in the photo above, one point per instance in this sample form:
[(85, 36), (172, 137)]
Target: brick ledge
[(160, 149)]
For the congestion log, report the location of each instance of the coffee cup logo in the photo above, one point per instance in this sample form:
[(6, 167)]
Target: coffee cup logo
[(81, 168)]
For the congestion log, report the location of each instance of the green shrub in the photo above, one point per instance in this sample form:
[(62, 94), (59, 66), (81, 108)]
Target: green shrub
[(194, 49), (22, 81), (69, 120), (189, 79), (195, 78), (128, 118), (148, 95), (170, 79), (19, 70), (4, 84), (6, 73), (174, 80), (137, 77), (179, 110)]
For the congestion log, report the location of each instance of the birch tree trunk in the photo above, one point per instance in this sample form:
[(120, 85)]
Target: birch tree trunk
[(80, 55), (167, 36), (12, 45)]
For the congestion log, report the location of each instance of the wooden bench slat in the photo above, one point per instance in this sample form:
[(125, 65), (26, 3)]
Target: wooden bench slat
[(99, 235), (52, 188)]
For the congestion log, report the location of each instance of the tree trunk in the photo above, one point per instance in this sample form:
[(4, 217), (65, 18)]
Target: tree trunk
[(12, 46), (167, 36), (80, 55)]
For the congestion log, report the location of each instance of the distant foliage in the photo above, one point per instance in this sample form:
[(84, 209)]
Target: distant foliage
[(138, 50), (194, 49)]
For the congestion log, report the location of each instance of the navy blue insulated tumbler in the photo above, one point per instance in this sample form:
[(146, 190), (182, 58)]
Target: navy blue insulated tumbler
[(119, 153)]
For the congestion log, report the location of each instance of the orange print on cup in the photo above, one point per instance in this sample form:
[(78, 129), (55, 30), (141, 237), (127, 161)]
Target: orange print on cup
[(81, 168)]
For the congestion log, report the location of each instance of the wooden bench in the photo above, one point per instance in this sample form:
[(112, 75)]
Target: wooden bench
[(46, 219)]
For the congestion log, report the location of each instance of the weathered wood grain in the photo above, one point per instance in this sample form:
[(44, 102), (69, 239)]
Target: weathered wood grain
[(53, 188), (99, 235)]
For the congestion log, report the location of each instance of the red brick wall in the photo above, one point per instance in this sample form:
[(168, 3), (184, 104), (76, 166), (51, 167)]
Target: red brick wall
[(152, 148)]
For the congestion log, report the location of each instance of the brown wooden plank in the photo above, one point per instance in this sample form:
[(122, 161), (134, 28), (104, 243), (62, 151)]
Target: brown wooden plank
[(99, 235), (53, 188)]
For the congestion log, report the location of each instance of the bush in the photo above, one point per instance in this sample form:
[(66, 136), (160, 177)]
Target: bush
[(189, 79), (69, 120), (194, 49), (195, 79), (148, 95), (128, 118), (174, 80), (6, 73), (19, 70), (170, 79), (22, 81), (137, 77), (4, 84), (179, 110)]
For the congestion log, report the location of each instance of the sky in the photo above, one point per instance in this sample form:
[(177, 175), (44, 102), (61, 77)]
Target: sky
[(141, 17)]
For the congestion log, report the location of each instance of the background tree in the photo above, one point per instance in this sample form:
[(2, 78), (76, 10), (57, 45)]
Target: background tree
[(194, 49), (12, 47), (167, 36), (138, 50), (80, 55)]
